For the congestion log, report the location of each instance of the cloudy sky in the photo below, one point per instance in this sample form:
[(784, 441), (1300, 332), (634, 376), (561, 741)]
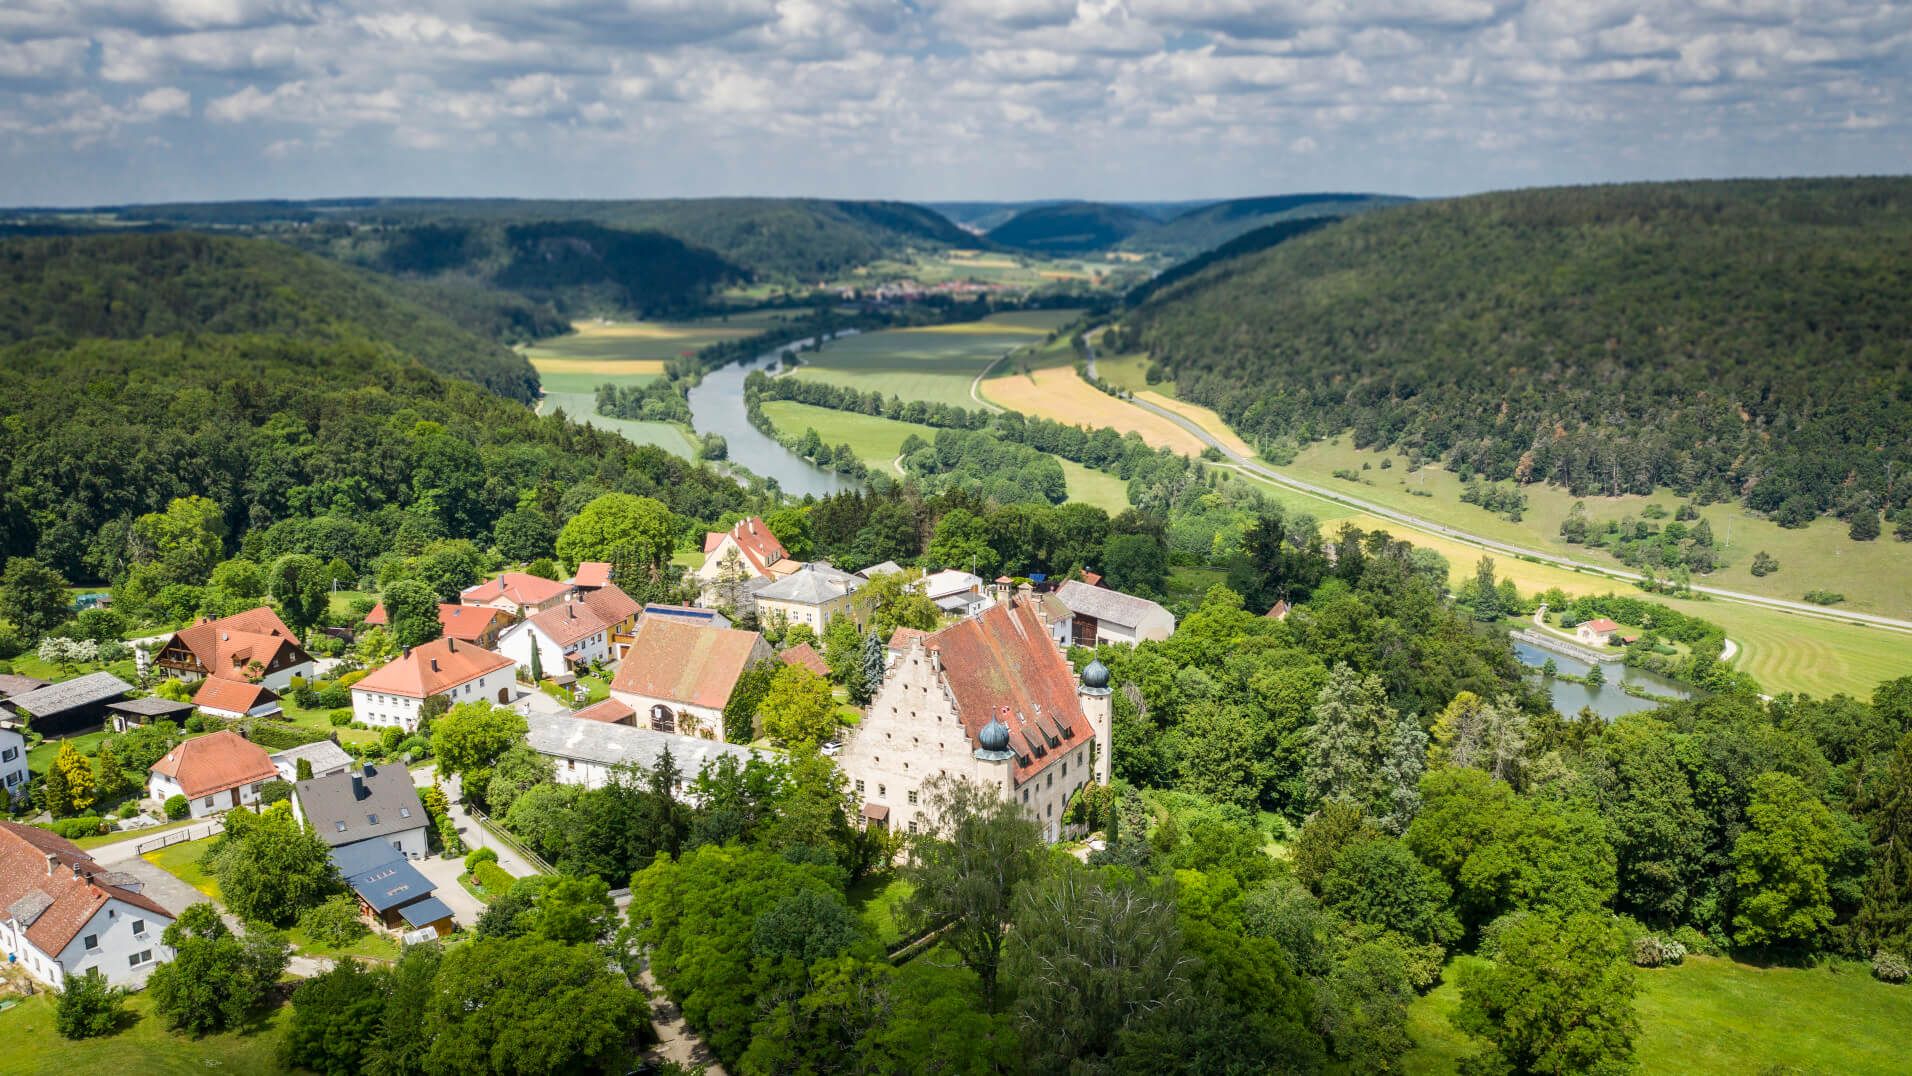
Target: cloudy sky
[(152, 100)]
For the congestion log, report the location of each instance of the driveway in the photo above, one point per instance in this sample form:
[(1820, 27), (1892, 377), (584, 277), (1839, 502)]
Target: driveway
[(166, 890), (443, 875), (474, 835)]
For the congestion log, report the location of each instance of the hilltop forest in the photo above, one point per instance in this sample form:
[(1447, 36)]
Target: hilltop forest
[(1730, 340)]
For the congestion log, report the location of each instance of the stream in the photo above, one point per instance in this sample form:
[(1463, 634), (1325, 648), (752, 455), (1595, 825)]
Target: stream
[(717, 406)]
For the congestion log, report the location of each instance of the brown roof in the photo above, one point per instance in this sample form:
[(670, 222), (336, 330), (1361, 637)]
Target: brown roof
[(236, 696), (1602, 625), (610, 711), (432, 669), (12, 684), (378, 618), (54, 906), (566, 624), (519, 587), (1003, 663), (611, 604), (213, 763), (592, 573), (901, 638), (685, 664), (806, 656), (465, 623), (759, 547), (1278, 611), (227, 645)]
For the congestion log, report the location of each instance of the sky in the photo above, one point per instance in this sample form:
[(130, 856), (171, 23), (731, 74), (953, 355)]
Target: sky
[(108, 101)]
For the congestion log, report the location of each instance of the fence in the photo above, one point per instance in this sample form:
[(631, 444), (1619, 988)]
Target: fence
[(194, 832), (509, 841)]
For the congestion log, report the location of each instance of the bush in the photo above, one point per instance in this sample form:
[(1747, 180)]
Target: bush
[(448, 839), (73, 829), (1889, 967), (493, 878), (1696, 941), (1654, 950), (129, 809), (339, 718), (1824, 597), (274, 792), (334, 922), (89, 1006), (477, 856), (177, 808)]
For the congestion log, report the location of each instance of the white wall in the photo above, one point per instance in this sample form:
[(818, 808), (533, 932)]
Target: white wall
[(280, 679), (380, 709), (708, 722), (162, 788), (518, 640), (118, 944), (13, 763)]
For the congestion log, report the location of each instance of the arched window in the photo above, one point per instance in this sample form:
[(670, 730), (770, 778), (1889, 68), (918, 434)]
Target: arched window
[(663, 719)]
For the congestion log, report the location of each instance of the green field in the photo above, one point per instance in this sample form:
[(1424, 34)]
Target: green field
[(1711, 1015), (184, 861), (874, 899), (935, 364), (30, 1045), (1130, 372), (877, 441), (582, 407)]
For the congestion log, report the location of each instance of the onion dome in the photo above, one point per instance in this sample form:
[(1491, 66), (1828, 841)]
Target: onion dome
[(994, 736), (1096, 675)]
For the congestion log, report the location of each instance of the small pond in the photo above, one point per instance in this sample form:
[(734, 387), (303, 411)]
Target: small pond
[(1608, 700)]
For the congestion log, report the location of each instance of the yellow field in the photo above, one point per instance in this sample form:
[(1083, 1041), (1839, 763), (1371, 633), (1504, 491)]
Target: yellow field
[(704, 332), (1057, 393), (1203, 417), (614, 367), (991, 327)]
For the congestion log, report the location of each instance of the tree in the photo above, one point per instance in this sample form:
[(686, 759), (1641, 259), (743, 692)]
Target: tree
[(876, 653), (185, 540), (112, 777), (335, 1019), (270, 868), (1491, 736), (411, 609), (1134, 563), (1559, 998), (530, 1005), (517, 770), (791, 526), (799, 707), (523, 534), (961, 542), (1764, 563), (894, 602), (634, 534), (303, 770), (302, 587), (75, 789), (1596, 675), (33, 596), (472, 736), (1360, 749), (740, 710), (89, 1006), (1884, 918), (399, 1046), (215, 980), (732, 576), (1380, 882), (1865, 525), (971, 852), (1782, 864)]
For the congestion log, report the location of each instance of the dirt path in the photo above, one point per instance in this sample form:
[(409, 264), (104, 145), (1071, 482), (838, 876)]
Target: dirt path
[(677, 1042)]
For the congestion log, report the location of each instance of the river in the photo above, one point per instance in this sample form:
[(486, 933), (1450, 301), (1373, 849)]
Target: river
[(717, 406), (1607, 700)]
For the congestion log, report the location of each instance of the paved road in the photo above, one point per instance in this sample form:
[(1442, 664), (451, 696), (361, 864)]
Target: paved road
[(1259, 470), (128, 849), (474, 835)]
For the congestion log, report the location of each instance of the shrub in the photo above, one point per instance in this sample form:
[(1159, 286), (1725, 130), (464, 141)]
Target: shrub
[(1824, 597), (85, 825), (1696, 941), (1654, 950), (89, 1006), (492, 877), (448, 838), (273, 792), (339, 718), (477, 856), (129, 809), (1889, 967), (334, 922), (177, 808)]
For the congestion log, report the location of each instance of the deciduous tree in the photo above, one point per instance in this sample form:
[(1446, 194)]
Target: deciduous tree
[(1559, 998)]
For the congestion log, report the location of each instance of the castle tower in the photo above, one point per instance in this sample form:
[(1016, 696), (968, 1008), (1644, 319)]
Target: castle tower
[(1094, 693)]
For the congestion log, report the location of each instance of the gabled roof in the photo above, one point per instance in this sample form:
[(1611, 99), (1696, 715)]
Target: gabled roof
[(54, 905), (205, 765), (465, 623), (358, 805), (517, 587), (322, 754), (70, 694), (609, 744), (380, 875), (432, 669), (610, 603), (227, 645), (950, 581), (805, 656), (12, 684), (150, 706), (759, 547), (232, 696), (689, 614), (685, 664), (592, 573), (1279, 610), (901, 638), (1002, 663), (888, 567), (610, 710), (1602, 625), (813, 584), (1105, 604), (567, 623)]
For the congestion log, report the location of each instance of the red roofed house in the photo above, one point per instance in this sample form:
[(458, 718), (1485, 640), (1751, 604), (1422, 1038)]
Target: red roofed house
[(610, 712), (617, 609), (805, 655), (394, 692), (990, 698), (516, 593), (1598, 632), (478, 625), (253, 646), (749, 548), (591, 574), (215, 773), (564, 637), (61, 913), (235, 698), (678, 677)]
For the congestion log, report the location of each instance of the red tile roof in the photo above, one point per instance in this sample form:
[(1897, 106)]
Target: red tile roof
[(901, 638), (592, 573), (566, 624), (378, 618), (805, 655), (233, 696), (1278, 611), (227, 645), (209, 764), (609, 711), (759, 547), (517, 587), (465, 623), (611, 604), (1602, 625), (432, 669), (69, 895), (1003, 663), (685, 664)]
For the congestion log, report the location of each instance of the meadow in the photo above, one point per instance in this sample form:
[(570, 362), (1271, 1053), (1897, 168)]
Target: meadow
[(1055, 392), (1711, 1015), (33, 1047), (935, 364)]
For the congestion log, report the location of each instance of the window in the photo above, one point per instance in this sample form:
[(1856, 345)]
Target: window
[(209, 801), (912, 797), (144, 956), (9, 754), (404, 812), (881, 791), (859, 788), (341, 825), (371, 819), (139, 928), (91, 942)]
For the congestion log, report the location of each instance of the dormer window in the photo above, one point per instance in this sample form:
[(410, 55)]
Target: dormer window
[(341, 825)]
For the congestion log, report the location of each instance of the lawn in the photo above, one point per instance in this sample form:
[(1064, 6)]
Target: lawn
[(582, 407), (1130, 372), (875, 899), (40, 757), (184, 862), (32, 1046), (373, 946), (1712, 1015), (935, 364), (99, 839), (321, 721)]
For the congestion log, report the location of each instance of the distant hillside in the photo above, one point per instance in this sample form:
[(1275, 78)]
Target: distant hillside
[(1207, 227), (1070, 227), (127, 287), (1728, 339), (1260, 239)]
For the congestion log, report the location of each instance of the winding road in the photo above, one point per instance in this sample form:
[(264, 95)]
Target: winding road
[(1259, 470)]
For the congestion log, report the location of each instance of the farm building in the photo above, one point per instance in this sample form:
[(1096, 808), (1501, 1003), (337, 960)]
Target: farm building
[(70, 705)]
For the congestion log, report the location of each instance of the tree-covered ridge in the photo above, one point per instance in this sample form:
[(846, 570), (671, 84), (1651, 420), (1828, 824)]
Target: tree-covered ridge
[(1747, 339), (126, 287), (1070, 228), (1209, 226)]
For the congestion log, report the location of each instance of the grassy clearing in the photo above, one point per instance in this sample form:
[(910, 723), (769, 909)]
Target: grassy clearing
[(935, 364), (1055, 392), (1711, 1015), (582, 407), (33, 1047), (1130, 372), (186, 862), (875, 899), (40, 758)]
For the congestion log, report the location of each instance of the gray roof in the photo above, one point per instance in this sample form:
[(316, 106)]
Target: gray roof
[(813, 584), (1105, 604), (888, 567), (608, 745), (380, 875), (150, 706), (324, 755), (71, 694), (28, 909), (12, 684), (387, 795)]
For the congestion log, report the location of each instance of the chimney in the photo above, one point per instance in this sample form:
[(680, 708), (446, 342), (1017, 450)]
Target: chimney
[(358, 787), (370, 769), (451, 645), (434, 664), (52, 864)]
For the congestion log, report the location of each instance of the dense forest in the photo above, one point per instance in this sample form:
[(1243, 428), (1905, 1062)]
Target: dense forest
[(1207, 227), (63, 289), (1070, 227), (1732, 340)]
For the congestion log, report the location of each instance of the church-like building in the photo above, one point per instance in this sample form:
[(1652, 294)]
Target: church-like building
[(990, 698)]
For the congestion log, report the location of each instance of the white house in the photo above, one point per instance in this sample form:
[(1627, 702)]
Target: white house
[(394, 692), (814, 594), (1598, 632), (236, 698), (215, 773), (746, 551), (61, 913), (326, 757), (565, 636), (678, 678), (991, 699), (375, 803), (955, 592), (1100, 615), (13, 762), (516, 593), (585, 750)]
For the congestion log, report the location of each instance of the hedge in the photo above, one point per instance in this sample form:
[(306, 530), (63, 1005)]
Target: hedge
[(494, 879)]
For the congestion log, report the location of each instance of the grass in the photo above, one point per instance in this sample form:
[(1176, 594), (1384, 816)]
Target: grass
[(582, 407), (29, 664), (1711, 1015), (321, 721), (1191, 584), (371, 946), (875, 899), (33, 1046), (1055, 392), (100, 839), (40, 758), (1130, 372), (935, 364), (185, 861)]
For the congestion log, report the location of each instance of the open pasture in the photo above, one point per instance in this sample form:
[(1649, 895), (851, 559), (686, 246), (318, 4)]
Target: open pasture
[(935, 364), (1055, 392)]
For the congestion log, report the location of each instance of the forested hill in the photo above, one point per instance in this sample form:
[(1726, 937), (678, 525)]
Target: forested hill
[(1070, 227), (1729, 339), (126, 287), (1208, 227)]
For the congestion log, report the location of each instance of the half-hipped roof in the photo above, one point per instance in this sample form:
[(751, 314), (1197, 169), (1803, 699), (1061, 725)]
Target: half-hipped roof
[(517, 587), (432, 669), (759, 547)]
